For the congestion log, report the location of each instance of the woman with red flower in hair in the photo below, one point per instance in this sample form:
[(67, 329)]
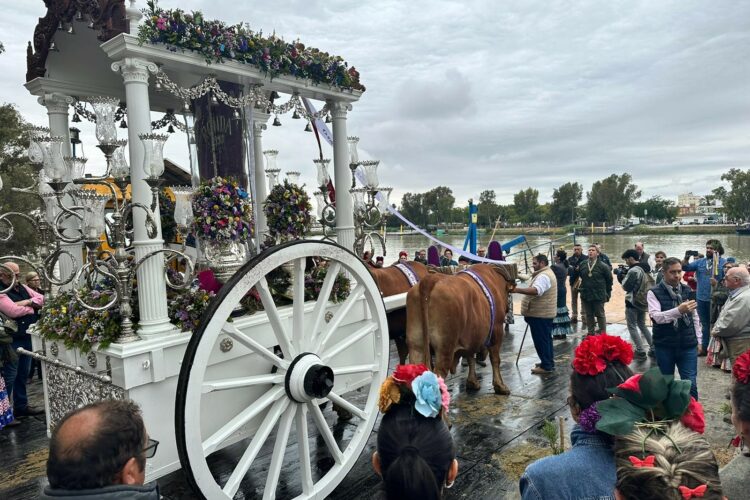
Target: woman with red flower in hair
[(735, 477), (600, 362)]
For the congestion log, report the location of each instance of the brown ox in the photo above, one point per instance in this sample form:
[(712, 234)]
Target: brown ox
[(391, 281), (451, 315)]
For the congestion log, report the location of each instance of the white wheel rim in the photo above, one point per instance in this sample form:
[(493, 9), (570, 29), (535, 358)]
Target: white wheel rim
[(274, 409)]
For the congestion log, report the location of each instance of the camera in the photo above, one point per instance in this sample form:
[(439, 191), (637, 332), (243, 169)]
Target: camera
[(692, 253), (621, 268)]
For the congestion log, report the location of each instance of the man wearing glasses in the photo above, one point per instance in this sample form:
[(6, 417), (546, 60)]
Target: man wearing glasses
[(733, 324), (19, 303), (99, 452)]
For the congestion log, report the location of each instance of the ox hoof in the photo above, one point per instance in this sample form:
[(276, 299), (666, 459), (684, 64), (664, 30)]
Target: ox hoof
[(502, 390), (472, 385)]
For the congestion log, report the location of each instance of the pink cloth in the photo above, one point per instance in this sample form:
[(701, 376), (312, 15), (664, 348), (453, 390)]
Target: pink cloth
[(10, 309), (208, 282)]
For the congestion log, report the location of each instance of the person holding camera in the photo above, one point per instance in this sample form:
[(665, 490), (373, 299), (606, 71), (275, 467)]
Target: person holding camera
[(676, 325), (636, 281), (709, 271)]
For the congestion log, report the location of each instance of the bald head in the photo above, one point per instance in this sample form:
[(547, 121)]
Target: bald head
[(7, 271), (737, 277), (99, 445)]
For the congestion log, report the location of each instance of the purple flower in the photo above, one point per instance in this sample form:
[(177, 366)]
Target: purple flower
[(588, 418)]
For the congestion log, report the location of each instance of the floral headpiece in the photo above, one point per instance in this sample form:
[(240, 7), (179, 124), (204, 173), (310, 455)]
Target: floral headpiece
[(594, 354), (415, 384), (741, 368), (648, 398)]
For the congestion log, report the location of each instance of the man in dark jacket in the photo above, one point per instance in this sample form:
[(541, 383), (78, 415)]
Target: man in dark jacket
[(99, 452), (596, 288), (574, 261), (677, 328), (632, 281)]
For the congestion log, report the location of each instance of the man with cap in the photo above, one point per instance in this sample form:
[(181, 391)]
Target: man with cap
[(21, 303)]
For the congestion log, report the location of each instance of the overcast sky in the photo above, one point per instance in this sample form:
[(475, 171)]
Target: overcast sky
[(504, 95)]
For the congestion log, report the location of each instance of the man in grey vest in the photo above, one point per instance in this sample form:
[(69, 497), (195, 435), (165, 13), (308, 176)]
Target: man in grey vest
[(677, 329), (733, 325), (539, 307)]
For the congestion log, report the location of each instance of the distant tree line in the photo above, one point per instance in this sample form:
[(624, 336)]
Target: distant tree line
[(609, 200)]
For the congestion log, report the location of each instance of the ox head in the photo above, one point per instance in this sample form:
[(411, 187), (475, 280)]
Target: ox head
[(508, 273)]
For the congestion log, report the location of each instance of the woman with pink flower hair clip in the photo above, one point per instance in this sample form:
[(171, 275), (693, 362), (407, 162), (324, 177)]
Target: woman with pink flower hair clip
[(600, 362), (416, 455)]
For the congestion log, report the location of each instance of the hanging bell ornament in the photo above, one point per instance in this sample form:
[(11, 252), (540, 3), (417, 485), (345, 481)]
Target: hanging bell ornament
[(53, 47), (186, 107), (295, 116), (328, 118), (236, 114), (79, 16), (61, 26), (170, 129), (214, 100), (91, 25), (76, 118), (157, 86), (123, 123), (276, 122), (71, 30), (308, 128)]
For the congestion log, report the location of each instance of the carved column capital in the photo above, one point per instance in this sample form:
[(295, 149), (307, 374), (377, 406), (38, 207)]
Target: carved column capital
[(134, 69), (339, 108), (259, 127), (56, 103)]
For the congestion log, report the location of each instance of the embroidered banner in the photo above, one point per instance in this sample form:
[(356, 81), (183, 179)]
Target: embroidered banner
[(490, 299), (411, 276)]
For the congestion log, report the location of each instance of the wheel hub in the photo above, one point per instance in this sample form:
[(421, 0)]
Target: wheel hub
[(308, 378)]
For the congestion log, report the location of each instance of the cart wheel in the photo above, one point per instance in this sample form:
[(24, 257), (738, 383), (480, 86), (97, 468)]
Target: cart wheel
[(246, 382)]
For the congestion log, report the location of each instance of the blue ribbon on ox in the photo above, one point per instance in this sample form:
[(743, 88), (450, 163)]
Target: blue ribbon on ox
[(490, 299), (411, 276)]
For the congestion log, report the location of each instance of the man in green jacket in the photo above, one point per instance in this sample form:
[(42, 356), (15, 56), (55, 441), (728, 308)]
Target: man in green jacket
[(595, 290)]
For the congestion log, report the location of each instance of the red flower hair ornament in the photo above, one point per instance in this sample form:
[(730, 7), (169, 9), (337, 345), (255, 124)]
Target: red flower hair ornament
[(741, 368), (595, 352), (405, 374)]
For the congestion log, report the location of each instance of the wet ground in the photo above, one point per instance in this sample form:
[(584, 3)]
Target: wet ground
[(496, 436)]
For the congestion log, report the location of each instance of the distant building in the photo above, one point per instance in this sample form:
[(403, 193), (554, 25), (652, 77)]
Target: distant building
[(689, 200)]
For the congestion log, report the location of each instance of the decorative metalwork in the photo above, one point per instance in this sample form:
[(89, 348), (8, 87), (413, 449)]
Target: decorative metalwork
[(369, 202), (91, 359), (69, 389), (328, 316), (54, 349), (226, 345), (326, 208)]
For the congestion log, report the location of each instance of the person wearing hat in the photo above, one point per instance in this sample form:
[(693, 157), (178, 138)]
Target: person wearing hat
[(403, 256), (379, 261)]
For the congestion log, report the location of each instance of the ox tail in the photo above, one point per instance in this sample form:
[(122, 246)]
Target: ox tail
[(425, 290)]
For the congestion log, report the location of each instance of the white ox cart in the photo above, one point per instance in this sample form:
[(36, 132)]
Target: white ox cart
[(251, 384)]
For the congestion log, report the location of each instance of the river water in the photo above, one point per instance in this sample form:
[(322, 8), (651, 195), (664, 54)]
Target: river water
[(613, 244)]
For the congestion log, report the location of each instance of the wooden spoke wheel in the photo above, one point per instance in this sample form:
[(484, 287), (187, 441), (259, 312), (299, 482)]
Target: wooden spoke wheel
[(250, 389)]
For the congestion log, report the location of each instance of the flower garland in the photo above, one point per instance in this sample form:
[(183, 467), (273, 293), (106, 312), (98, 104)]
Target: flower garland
[(287, 210), (217, 41), (595, 352), (314, 283), (222, 211), (187, 308), (415, 384)]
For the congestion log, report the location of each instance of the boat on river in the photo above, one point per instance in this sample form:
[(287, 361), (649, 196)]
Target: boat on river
[(743, 228)]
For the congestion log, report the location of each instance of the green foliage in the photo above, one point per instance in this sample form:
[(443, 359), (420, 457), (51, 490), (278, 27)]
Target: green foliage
[(439, 201), (611, 198), (737, 199), (657, 208), (487, 209), (314, 283), (564, 203), (526, 204), (550, 433), (16, 171), (412, 208)]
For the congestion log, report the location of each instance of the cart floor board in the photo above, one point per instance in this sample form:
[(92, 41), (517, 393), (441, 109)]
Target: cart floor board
[(495, 435)]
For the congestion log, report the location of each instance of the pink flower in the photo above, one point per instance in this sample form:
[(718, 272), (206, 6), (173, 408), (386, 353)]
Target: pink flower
[(161, 24), (444, 394)]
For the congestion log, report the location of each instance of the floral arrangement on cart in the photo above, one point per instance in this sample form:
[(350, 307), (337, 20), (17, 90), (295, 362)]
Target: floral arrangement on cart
[(217, 41), (222, 220)]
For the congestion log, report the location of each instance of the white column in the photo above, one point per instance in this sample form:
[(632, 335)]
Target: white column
[(261, 189), (152, 292), (342, 175), (57, 112)]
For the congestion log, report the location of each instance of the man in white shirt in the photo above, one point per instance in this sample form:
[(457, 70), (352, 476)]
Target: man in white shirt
[(676, 327), (539, 307)]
